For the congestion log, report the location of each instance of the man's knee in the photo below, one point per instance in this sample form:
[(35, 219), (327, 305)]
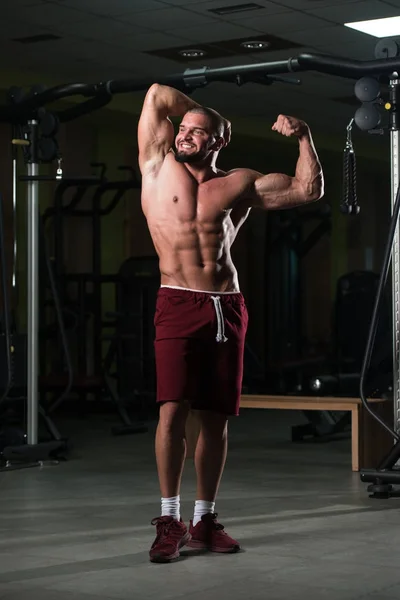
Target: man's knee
[(173, 415), (213, 424)]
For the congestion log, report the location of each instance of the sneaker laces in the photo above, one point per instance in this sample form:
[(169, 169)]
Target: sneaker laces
[(215, 524), (166, 526)]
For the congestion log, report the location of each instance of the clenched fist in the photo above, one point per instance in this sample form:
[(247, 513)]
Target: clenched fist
[(290, 126)]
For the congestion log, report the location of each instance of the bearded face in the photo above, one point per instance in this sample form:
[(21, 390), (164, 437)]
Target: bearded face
[(195, 140)]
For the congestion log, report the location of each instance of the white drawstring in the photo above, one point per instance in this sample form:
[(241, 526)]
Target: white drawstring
[(221, 337)]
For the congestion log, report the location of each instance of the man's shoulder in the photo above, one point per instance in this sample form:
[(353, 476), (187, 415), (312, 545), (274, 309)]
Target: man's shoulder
[(249, 174), (243, 178)]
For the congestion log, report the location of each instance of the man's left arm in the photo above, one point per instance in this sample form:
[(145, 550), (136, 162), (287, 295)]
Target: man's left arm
[(277, 190)]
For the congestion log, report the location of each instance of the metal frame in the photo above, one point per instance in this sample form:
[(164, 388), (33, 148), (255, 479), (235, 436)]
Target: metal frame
[(33, 304), (394, 159), (99, 94)]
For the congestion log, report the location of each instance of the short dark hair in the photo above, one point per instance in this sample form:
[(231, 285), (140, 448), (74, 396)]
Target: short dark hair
[(217, 123)]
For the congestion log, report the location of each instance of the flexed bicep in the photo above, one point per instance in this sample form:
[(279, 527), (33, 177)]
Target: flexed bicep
[(278, 190)]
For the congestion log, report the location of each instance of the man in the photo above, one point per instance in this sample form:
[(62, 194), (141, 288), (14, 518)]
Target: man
[(194, 211)]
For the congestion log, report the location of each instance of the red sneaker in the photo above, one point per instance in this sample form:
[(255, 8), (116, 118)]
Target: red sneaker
[(209, 534), (171, 536)]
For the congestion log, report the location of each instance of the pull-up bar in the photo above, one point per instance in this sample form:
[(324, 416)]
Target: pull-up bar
[(303, 62), (26, 111), (195, 78)]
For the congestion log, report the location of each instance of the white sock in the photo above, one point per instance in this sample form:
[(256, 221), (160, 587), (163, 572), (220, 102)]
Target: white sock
[(171, 507), (202, 507)]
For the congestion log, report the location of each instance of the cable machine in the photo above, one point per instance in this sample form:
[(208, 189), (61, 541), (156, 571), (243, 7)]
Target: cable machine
[(26, 111)]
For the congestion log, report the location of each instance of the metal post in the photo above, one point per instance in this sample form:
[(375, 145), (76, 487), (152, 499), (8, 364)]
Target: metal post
[(394, 157), (33, 293)]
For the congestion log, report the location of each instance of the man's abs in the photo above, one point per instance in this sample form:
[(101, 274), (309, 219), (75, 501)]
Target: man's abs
[(194, 261), (186, 272)]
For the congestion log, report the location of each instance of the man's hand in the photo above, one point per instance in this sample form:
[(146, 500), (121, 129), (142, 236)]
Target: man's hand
[(290, 126)]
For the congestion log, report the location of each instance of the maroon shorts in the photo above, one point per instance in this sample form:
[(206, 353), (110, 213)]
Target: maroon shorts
[(199, 347)]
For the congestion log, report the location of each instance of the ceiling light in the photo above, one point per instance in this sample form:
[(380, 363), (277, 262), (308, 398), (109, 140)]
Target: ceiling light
[(192, 53), (255, 45), (378, 27), (235, 8)]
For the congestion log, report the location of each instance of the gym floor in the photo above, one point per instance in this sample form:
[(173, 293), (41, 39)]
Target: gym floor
[(81, 530)]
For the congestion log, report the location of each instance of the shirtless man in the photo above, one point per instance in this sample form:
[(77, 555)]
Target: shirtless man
[(194, 211)]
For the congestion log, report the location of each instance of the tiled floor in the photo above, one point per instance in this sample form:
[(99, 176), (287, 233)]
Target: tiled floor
[(81, 530)]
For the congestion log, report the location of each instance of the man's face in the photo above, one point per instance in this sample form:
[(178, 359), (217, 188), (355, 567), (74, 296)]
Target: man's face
[(195, 139)]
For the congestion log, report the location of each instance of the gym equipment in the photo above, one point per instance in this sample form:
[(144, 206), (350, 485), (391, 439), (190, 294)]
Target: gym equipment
[(339, 372), (25, 111), (6, 383), (81, 294), (33, 132), (131, 350), (13, 380), (56, 212), (287, 245), (349, 205), (81, 299), (119, 188), (381, 478)]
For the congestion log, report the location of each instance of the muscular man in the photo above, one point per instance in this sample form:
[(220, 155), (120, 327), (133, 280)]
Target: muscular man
[(194, 211)]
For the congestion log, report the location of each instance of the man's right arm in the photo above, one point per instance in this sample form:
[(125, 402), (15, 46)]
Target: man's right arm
[(155, 130)]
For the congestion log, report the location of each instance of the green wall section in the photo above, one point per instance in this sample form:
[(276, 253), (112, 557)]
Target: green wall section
[(111, 148)]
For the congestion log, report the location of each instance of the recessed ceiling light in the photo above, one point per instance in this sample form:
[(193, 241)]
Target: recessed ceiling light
[(378, 27), (192, 53), (255, 45)]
